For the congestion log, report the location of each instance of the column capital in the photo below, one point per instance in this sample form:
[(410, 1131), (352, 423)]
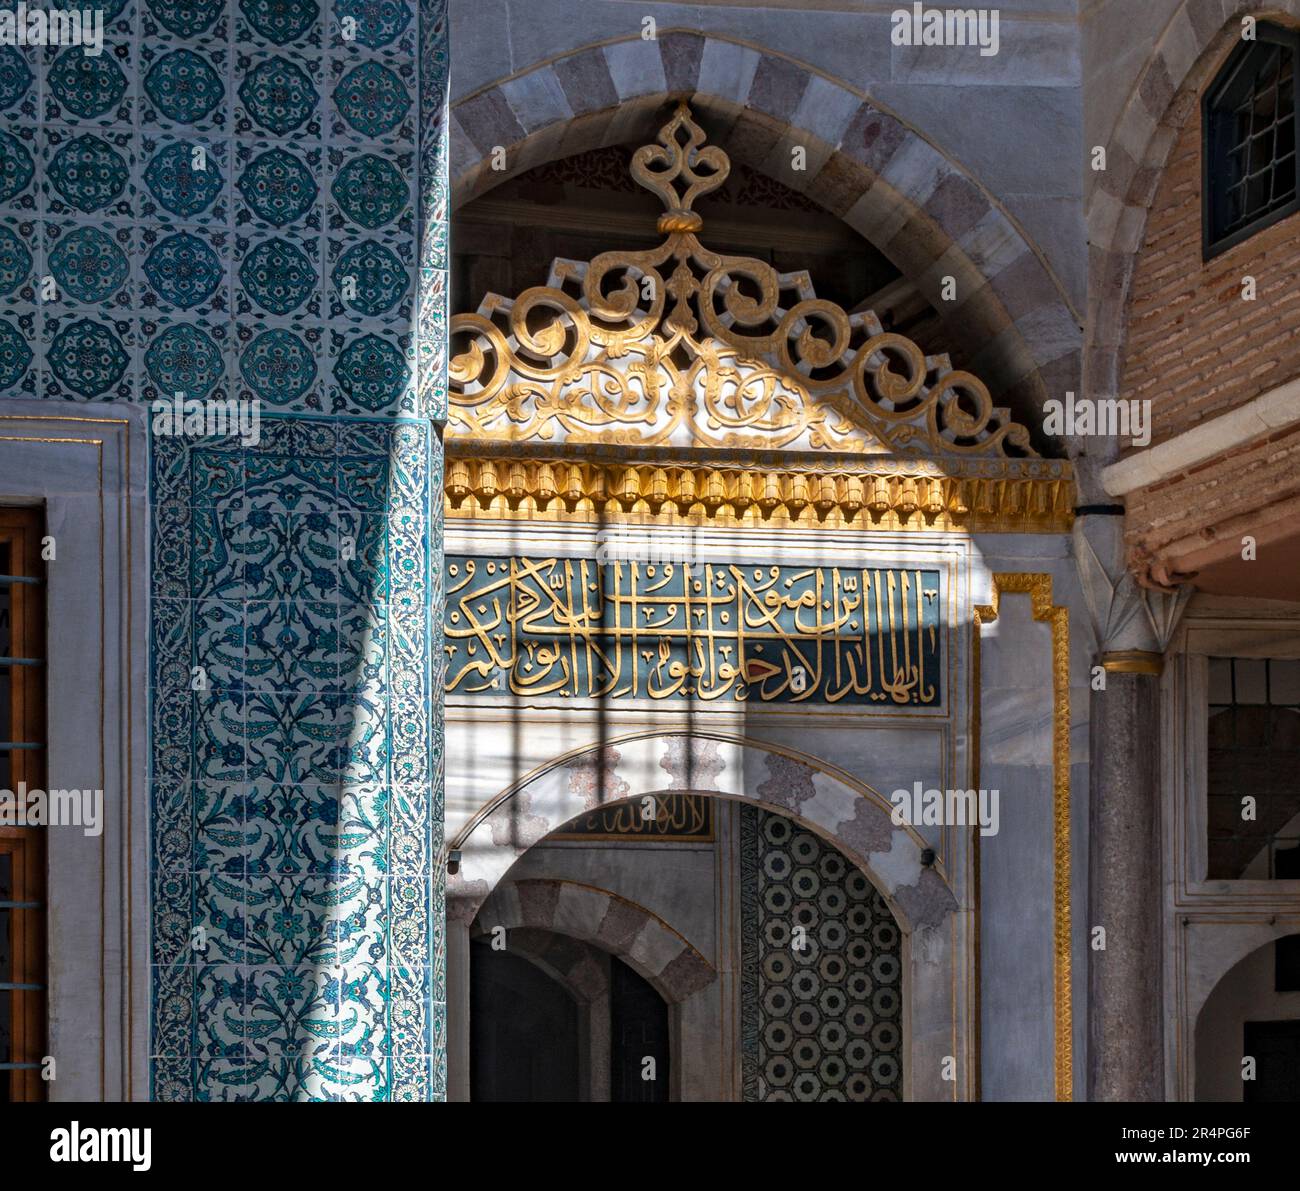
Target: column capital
[(1132, 624)]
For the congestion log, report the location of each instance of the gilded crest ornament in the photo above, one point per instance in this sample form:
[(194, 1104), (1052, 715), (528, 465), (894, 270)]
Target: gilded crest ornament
[(702, 358)]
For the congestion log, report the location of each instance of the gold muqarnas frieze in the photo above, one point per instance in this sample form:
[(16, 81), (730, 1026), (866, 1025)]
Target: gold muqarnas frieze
[(678, 384)]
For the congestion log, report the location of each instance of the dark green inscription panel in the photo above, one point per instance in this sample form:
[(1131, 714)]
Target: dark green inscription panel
[(713, 631)]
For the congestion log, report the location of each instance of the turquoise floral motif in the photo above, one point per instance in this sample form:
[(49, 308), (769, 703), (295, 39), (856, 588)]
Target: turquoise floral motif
[(112, 8), (88, 172), (372, 99), (278, 95), (184, 86), (372, 372), (16, 168), (15, 76), (370, 190), (278, 366), (186, 18), (184, 270), (278, 187), (183, 359), (378, 21), (15, 355), (378, 277), (278, 276), (87, 357), (15, 261), (85, 85), (280, 21), (177, 185), (87, 264)]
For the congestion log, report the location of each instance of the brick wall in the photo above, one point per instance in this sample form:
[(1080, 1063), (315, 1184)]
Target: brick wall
[(1195, 348)]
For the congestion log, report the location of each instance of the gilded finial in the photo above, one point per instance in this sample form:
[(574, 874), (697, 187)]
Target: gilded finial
[(672, 170)]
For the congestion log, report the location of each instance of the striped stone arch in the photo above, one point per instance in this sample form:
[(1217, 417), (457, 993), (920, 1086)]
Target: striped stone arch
[(1164, 96), (931, 217), (852, 817), (535, 911), (855, 819)]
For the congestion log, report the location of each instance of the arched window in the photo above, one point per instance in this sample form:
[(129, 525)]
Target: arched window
[(1251, 140)]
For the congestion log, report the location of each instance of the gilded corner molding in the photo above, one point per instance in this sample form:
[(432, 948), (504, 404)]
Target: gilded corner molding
[(679, 383), (1038, 586)]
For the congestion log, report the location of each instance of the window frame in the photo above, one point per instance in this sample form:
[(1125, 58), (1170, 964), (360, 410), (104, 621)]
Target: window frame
[(1213, 149), (21, 529)]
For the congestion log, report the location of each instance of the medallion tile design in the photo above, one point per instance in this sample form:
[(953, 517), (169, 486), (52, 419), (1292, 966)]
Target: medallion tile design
[(87, 265), (278, 187), (16, 167), (15, 76), (821, 1021), (183, 182), (15, 262), (370, 190), (193, 191), (89, 173), (279, 95), (184, 86), (88, 87)]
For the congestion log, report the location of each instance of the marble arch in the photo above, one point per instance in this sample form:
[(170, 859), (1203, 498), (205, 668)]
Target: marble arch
[(926, 212), (854, 818)]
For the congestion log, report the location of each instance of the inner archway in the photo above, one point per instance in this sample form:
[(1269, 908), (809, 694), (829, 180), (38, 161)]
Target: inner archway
[(709, 949)]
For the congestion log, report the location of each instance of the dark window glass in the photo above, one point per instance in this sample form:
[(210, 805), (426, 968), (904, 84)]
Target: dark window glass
[(1251, 140), (1254, 753)]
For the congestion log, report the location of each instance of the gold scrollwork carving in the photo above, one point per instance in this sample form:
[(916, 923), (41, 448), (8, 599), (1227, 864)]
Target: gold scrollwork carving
[(682, 347)]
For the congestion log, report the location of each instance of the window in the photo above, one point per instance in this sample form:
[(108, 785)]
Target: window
[(1251, 140), (22, 848), (1254, 754), (1286, 964)]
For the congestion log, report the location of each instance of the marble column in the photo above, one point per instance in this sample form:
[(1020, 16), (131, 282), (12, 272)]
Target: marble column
[(1132, 627)]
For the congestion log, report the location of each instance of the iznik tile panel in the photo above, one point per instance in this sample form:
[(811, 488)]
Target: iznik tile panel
[(245, 200)]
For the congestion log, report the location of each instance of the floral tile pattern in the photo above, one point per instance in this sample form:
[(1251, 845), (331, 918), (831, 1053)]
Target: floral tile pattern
[(247, 199), (293, 823)]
